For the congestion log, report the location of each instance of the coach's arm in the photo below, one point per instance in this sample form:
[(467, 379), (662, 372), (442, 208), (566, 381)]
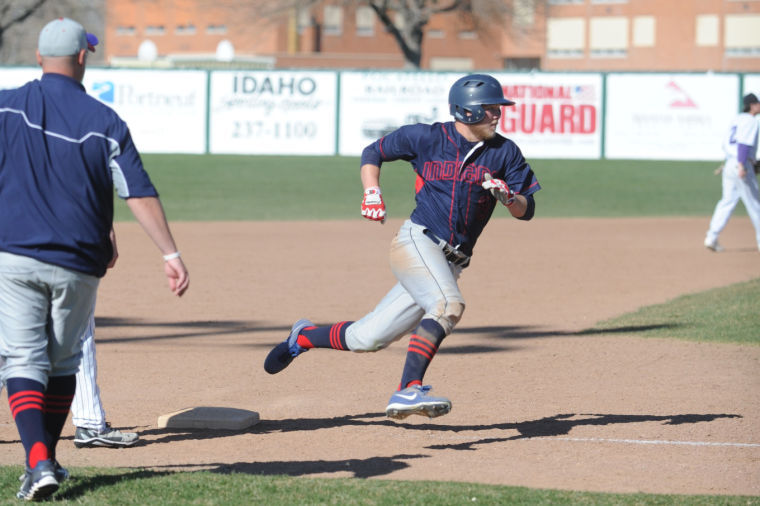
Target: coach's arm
[(150, 214)]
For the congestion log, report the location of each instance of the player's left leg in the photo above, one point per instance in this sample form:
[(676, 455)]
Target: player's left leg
[(422, 269)]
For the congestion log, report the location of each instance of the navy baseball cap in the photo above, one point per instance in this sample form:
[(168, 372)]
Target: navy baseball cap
[(65, 37), (750, 99)]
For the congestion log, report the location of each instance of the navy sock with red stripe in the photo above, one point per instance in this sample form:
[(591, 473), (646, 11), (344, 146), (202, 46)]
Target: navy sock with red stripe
[(58, 397), (330, 336), (26, 399), (423, 346)]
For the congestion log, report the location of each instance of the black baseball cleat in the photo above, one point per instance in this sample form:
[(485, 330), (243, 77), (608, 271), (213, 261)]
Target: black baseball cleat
[(283, 354)]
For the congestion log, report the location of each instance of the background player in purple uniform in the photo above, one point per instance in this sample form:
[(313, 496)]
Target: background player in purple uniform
[(463, 168)]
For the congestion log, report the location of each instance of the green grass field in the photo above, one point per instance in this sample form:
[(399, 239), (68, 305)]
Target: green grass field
[(232, 187), (98, 486), (198, 188)]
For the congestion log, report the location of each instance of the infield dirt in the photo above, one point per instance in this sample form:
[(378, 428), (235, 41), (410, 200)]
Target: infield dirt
[(534, 403)]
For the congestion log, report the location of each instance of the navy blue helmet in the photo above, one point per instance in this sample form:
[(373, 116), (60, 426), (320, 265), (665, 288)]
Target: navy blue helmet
[(469, 94)]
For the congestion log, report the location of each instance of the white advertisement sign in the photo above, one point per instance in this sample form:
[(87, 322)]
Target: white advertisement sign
[(556, 116), (13, 77), (751, 84), (669, 116), (373, 104), (165, 110), (272, 112)]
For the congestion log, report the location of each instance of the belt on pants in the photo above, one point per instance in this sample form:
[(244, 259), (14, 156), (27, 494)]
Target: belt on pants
[(452, 253)]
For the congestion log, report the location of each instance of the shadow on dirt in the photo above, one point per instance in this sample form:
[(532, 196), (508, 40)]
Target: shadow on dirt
[(166, 331), (553, 426)]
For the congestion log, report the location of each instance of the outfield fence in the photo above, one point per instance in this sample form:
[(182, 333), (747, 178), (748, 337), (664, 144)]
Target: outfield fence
[(664, 116)]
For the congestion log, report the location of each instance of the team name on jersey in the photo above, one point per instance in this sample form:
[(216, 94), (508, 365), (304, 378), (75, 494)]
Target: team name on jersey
[(451, 171)]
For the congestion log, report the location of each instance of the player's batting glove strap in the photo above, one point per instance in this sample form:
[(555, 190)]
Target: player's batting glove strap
[(499, 190), (373, 207)]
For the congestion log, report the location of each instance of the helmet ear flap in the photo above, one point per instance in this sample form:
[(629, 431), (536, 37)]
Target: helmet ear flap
[(469, 115)]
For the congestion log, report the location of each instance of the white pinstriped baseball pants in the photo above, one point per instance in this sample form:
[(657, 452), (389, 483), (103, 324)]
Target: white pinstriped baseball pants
[(87, 408)]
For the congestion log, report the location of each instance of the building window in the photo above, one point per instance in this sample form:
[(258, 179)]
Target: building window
[(609, 1), (644, 31), (188, 29), (216, 29), (467, 34), (524, 13), (303, 19), (565, 37), (608, 37), (125, 30), (451, 63), (707, 30), (365, 21), (565, 2), (435, 34), (155, 30), (522, 63), (333, 20), (741, 36)]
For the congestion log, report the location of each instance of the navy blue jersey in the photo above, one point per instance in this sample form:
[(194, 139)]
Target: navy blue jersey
[(62, 152), (450, 200)]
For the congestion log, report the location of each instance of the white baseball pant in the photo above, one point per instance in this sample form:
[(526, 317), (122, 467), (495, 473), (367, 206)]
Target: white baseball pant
[(87, 408), (426, 288), (735, 189)]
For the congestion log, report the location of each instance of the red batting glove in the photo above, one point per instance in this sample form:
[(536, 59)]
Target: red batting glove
[(499, 189), (373, 207)]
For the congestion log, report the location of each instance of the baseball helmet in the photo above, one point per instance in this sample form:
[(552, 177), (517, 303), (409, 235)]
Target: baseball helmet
[(470, 93)]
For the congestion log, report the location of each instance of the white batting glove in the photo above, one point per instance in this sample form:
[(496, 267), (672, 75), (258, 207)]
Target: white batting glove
[(498, 189), (373, 207)]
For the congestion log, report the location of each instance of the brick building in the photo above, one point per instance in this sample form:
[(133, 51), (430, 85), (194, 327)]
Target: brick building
[(583, 35)]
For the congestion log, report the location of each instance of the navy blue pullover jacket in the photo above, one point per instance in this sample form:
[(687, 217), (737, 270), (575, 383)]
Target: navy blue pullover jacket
[(62, 152)]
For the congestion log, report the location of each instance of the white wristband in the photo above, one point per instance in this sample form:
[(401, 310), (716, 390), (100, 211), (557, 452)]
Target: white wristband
[(171, 256)]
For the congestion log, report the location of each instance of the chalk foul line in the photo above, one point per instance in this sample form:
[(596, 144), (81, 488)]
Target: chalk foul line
[(652, 442)]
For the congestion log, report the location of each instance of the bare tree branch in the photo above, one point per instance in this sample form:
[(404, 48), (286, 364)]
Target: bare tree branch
[(24, 13)]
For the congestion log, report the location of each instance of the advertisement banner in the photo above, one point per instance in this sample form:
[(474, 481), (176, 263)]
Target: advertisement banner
[(751, 84), (164, 109), (272, 112), (669, 116), (373, 104), (14, 77), (555, 116)]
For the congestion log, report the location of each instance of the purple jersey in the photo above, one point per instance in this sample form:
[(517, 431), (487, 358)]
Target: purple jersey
[(450, 200)]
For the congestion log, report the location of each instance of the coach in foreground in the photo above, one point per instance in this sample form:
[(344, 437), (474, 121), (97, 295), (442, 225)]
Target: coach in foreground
[(463, 169), (61, 154)]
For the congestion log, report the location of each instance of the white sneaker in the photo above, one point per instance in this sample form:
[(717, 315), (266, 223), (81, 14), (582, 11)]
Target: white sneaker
[(713, 245)]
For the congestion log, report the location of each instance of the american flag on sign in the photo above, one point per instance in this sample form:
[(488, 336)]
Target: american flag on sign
[(586, 92)]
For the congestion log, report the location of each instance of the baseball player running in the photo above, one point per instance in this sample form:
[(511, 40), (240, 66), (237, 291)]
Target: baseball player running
[(739, 179), (463, 168)]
